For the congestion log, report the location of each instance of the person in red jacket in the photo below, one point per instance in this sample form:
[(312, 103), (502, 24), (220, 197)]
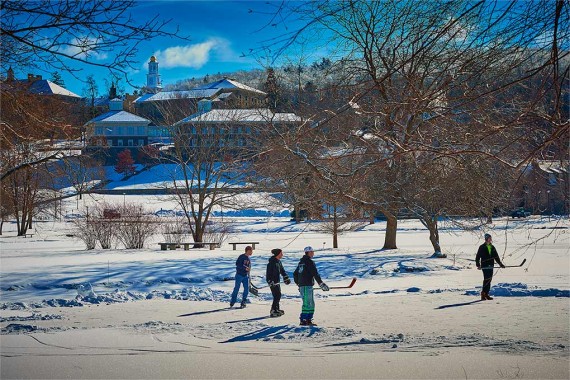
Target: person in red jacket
[(485, 259)]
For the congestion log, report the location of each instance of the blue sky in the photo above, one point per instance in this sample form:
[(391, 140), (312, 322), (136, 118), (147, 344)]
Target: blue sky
[(220, 32)]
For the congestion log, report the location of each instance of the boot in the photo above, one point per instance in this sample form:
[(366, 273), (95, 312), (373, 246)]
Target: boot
[(488, 297), (483, 296), (281, 311), (310, 322), (275, 313), (303, 322)]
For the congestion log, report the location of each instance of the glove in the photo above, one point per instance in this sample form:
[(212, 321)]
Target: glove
[(286, 280), (324, 287), (272, 284)]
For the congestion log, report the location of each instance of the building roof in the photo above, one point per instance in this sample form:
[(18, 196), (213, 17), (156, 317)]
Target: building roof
[(255, 115), (171, 95), (119, 116), (46, 87), (228, 84), (554, 166)]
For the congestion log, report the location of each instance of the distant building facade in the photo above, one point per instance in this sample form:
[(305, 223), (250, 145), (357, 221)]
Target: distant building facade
[(114, 131)]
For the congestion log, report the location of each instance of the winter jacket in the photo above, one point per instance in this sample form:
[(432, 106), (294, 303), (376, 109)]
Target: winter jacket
[(306, 272), (243, 264), (274, 269), (486, 259)]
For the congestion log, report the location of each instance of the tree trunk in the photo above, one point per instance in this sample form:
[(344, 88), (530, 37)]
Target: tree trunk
[(1, 226), (391, 229), (335, 229), (297, 214), (431, 224)]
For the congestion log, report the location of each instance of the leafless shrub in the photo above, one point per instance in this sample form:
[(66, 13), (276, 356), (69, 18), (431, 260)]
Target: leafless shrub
[(175, 231), (85, 232), (135, 226), (217, 231), (103, 228)]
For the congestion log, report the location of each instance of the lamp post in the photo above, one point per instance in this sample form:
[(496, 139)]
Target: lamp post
[(124, 200), (548, 204)]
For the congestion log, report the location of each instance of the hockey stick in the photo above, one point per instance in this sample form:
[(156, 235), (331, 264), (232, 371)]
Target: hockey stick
[(341, 287), (507, 266), (253, 288)]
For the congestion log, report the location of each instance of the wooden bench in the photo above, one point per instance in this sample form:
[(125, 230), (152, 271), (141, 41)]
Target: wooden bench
[(173, 246), (253, 243), (213, 245)]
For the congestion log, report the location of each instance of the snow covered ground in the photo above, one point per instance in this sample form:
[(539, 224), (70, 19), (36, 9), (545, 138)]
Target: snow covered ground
[(70, 313)]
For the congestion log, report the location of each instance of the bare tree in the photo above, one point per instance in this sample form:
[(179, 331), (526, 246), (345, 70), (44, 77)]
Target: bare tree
[(431, 80), (210, 160), (56, 34)]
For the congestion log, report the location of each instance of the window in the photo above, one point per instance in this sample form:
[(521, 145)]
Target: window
[(120, 142), (109, 142), (141, 142), (119, 131), (140, 131), (99, 130), (131, 131), (108, 131), (130, 142)]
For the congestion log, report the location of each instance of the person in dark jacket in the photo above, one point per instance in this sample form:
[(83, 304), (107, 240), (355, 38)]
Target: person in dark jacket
[(243, 267), (273, 276), (305, 276), (485, 259)]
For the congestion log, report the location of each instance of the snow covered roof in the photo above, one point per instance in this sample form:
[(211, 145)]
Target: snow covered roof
[(240, 115), (556, 167), (172, 95), (119, 116), (228, 84), (46, 87)]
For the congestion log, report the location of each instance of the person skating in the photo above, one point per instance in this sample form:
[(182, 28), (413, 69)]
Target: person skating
[(243, 267), (273, 276), (485, 259), (305, 276)]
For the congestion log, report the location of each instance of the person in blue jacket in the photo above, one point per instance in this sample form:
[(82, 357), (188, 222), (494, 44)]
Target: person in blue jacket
[(243, 267)]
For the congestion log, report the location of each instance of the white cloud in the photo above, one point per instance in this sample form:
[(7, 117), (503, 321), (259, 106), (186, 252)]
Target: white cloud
[(196, 55), (84, 48)]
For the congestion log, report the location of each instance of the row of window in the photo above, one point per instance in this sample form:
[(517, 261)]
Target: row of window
[(120, 131), (121, 142), (212, 130)]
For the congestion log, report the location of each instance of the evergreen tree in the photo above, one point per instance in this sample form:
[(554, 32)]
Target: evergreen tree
[(271, 87), (57, 79)]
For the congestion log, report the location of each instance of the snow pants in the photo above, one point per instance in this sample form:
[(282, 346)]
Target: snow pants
[(240, 280), (308, 308), (276, 292), (487, 278)]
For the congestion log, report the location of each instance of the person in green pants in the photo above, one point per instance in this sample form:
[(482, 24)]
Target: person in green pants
[(305, 276)]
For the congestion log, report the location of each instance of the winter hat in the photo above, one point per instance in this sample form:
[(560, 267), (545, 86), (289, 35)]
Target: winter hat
[(276, 251), (309, 249), (487, 236)]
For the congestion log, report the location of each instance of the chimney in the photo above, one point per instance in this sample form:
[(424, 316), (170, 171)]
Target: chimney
[(112, 91), (10, 74), (32, 78)]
